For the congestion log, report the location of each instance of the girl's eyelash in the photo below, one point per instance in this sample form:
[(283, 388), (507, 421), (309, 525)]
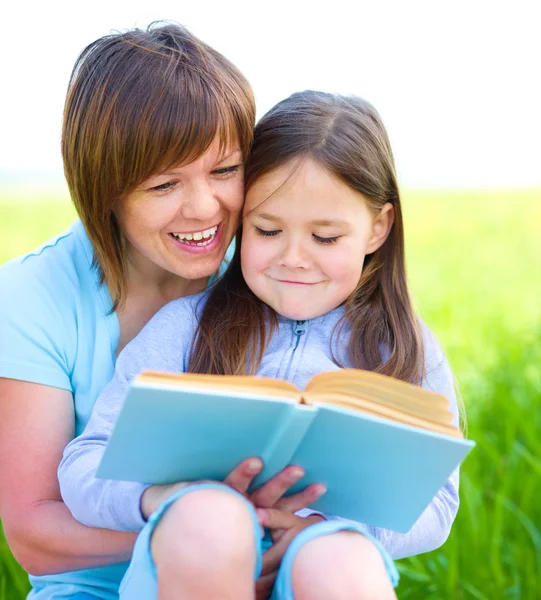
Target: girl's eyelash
[(267, 233), (329, 240), (317, 238)]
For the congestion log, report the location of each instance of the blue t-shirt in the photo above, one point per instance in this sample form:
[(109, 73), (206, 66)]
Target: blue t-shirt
[(57, 329)]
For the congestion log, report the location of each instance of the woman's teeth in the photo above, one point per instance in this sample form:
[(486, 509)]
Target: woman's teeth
[(198, 238)]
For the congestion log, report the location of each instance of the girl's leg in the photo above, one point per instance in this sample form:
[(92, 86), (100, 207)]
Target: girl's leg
[(203, 542), (335, 559)]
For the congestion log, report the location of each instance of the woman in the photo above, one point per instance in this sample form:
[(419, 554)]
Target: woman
[(145, 111)]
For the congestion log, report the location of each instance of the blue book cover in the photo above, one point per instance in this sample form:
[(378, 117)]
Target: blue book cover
[(377, 471)]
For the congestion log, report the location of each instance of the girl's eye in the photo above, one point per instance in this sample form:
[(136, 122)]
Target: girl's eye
[(163, 187), (322, 240), (266, 233), (227, 170)]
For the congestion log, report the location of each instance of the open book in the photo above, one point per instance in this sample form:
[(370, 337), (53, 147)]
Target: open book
[(382, 447)]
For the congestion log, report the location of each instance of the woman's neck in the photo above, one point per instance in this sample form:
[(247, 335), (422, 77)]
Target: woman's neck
[(151, 282), (148, 290)]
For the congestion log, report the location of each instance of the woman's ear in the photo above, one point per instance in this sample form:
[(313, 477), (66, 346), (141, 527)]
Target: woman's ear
[(381, 227)]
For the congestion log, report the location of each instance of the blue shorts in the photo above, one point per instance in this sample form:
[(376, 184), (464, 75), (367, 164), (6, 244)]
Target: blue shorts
[(140, 581)]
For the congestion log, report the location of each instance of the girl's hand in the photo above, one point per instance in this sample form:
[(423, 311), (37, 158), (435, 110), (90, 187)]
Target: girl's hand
[(269, 495), (239, 479), (155, 495), (284, 527)]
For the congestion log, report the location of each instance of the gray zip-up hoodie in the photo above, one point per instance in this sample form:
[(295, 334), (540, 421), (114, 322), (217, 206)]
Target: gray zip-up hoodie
[(297, 351)]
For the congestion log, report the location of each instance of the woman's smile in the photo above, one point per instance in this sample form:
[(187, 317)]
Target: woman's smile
[(198, 242)]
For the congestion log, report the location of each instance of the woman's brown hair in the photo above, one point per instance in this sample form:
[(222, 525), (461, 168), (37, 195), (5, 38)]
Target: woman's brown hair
[(346, 136), (139, 103)]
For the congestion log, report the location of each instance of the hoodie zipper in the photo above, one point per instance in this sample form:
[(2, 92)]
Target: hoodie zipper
[(299, 329)]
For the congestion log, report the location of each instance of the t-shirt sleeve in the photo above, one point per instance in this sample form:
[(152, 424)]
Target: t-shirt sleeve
[(37, 325), (162, 345)]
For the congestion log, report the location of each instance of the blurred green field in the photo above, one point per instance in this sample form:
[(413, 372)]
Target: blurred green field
[(474, 261)]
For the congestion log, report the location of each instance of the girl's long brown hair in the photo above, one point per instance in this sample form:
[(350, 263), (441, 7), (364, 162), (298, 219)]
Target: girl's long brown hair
[(346, 136)]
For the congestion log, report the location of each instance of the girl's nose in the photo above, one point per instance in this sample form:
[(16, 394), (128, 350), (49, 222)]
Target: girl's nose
[(295, 256)]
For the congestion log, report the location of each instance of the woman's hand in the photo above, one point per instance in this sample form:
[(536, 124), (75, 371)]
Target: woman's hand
[(284, 527)]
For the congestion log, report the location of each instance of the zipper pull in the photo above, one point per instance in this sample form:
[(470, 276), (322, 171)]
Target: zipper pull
[(300, 328)]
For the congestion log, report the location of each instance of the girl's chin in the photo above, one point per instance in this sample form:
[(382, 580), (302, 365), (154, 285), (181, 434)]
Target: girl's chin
[(303, 312), (298, 314)]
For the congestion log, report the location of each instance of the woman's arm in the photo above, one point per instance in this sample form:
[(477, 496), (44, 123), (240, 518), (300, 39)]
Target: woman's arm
[(162, 345), (36, 423), (102, 503)]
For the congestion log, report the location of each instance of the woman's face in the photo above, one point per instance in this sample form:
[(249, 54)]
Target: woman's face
[(181, 222)]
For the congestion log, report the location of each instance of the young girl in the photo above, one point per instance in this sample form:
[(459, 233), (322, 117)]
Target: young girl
[(317, 283)]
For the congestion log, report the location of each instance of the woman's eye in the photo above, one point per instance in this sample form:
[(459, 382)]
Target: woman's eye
[(163, 187), (227, 170), (266, 232), (323, 240)]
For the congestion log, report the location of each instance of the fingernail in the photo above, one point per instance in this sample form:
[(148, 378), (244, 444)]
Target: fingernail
[(320, 491), (295, 474), (254, 466)]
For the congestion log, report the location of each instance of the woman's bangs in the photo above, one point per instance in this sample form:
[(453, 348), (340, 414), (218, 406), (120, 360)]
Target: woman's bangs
[(184, 131)]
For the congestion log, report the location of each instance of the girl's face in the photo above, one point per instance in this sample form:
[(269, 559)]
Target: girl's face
[(305, 239), (182, 221)]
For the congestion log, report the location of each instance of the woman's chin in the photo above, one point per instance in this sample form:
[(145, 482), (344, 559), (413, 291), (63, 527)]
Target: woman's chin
[(195, 272)]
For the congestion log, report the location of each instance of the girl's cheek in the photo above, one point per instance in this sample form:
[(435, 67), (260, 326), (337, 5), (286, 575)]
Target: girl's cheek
[(252, 253)]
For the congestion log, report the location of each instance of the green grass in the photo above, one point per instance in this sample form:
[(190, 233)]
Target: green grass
[(474, 261)]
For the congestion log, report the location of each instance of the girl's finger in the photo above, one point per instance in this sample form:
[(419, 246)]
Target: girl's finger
[(264, 585), (242, 475), (272, 490), (272, 518), (301, 499), (273, 556)]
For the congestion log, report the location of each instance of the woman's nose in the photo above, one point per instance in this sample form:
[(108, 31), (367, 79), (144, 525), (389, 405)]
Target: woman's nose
[(200, 203)]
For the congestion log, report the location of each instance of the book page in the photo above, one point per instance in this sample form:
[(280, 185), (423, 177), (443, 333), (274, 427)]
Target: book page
[(408, 404), (377, 394), (259, 386), (379, 410)]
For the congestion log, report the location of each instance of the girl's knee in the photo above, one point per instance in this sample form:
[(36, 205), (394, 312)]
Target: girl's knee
[(344, 565), (204, 523)]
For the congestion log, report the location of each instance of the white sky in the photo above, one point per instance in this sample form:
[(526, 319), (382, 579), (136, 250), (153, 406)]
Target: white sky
[(458, 83)]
